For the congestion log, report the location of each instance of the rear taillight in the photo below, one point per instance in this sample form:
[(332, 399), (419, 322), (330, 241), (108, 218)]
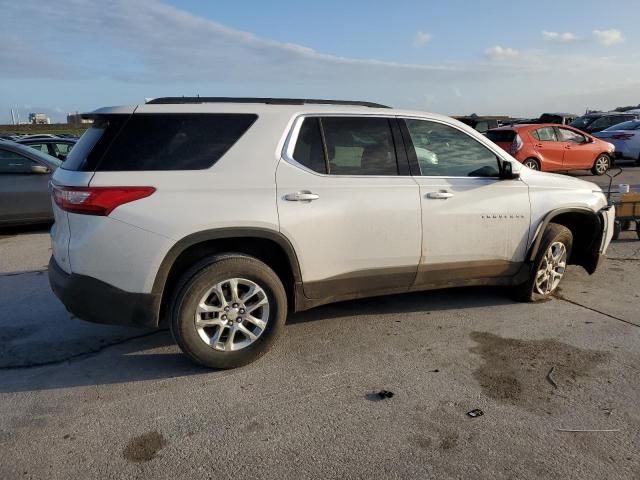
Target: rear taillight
[(96, 200), (623, 136), (516, 145)]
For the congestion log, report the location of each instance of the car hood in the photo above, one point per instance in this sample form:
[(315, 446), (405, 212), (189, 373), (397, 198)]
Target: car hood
[(535, 178)]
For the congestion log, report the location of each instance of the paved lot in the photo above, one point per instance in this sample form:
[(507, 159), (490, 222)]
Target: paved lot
[(87, 401)]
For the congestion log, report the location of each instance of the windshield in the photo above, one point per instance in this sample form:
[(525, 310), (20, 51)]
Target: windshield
[(630, 125), (583, 121)]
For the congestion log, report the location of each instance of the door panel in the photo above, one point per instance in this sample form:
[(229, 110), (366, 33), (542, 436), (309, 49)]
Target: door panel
[(577, 152), (361, 234), (24, 197), (546, 143), (475, 225), (479, 231)]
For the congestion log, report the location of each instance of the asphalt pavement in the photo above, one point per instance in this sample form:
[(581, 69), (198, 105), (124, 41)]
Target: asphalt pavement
[(557, 383)]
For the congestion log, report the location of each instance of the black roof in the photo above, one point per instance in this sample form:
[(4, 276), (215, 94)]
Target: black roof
[(270, 101)]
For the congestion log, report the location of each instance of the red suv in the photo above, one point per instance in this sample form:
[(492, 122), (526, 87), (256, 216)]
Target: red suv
[(550, 147)]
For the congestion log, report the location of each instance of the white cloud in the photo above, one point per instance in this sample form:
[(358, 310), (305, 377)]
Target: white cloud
[(566, 37), (148, 48), (421, 38), (608, 37), (500, 53)]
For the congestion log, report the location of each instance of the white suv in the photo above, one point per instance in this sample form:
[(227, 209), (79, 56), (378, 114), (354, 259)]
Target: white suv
[(217, 216)]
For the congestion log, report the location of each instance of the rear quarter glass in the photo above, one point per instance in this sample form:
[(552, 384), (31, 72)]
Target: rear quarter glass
[(90, 149), (158, 141)]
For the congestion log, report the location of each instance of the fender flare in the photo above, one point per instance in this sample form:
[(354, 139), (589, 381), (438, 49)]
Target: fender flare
[(547, 219), (220, 233)]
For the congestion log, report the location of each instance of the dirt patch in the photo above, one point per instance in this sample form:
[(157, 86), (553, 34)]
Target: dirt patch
[(514, 371), (449, 441), (144, 447)]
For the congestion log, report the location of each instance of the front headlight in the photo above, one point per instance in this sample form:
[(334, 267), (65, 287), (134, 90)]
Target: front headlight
[(612, 147)]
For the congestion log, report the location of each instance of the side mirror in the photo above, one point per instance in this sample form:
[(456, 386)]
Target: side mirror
[(39, 169), (507, 172)]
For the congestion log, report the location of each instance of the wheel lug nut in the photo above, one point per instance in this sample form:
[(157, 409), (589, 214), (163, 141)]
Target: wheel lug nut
[(224, 317), (242, 310), (235, 305), (226, 309)]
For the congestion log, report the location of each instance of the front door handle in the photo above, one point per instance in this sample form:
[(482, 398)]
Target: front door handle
[(302, 196), (440, 195)]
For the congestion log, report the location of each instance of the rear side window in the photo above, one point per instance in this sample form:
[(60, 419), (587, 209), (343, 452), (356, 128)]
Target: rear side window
[(158, 142), (309, 151), (359, 146), (504, 136), (546, 134)]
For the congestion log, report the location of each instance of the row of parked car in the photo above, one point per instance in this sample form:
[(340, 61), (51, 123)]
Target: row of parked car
[(563, 141), (553, 142)]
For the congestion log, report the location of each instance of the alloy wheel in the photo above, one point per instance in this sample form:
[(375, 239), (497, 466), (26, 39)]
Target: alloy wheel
[(551, 269), (232, 314), (531, 164), (602, 164)]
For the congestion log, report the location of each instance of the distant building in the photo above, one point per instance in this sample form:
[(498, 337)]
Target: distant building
[(76, 119), (39, 119)]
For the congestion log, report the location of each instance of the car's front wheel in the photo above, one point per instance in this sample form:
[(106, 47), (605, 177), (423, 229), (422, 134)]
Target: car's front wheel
[(549, 266), (601, 165), (228, 311)]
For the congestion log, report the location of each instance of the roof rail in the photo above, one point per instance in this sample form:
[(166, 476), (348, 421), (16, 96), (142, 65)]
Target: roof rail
[(270, 101)]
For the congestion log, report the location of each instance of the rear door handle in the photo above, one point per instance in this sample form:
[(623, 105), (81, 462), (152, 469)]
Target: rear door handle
[(302, 196), (538, 145), (440, 195)]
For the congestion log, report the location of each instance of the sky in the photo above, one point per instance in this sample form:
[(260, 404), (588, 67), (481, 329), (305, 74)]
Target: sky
[(450, 57)]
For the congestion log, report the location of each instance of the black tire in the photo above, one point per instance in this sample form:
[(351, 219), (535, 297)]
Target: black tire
[(527, 291), (532, 163), (596, 170), (195, 284), (617, 228)]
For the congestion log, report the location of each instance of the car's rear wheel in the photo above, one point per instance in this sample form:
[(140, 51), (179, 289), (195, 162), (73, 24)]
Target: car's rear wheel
[(228, 311), (532, 163), (601, 165), (549, 265)]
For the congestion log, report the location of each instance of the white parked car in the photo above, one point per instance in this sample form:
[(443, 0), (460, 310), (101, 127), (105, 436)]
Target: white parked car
[(217, 217), (625, 137)]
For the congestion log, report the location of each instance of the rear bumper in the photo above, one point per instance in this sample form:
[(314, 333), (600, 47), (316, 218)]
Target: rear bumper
[(96, 301)]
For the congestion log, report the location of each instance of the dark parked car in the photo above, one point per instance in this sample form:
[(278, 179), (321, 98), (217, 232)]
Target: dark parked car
[(596, 122), (54, 146), (557, 118), (24, 184), (480, 124)]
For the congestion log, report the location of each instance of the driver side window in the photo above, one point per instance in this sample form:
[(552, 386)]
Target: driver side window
[(444, 151), (11, 162)]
